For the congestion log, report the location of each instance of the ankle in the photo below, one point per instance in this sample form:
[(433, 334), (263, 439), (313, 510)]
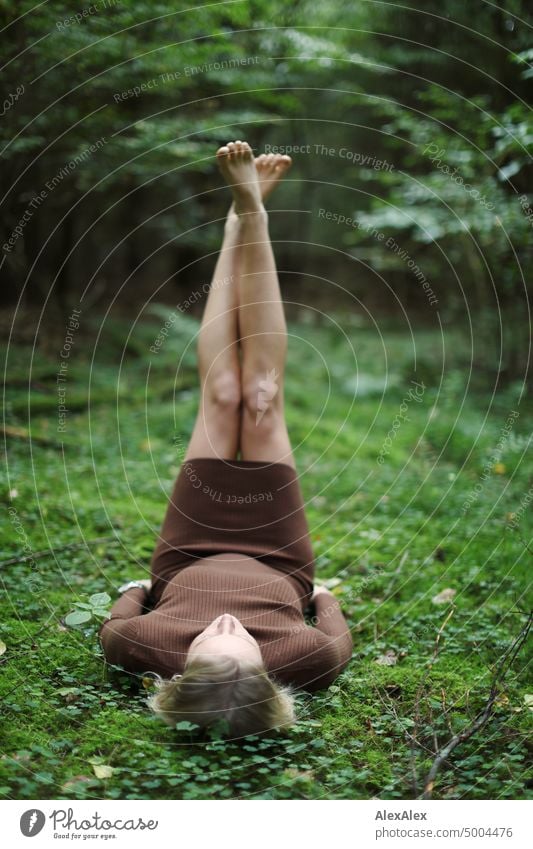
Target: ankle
[(232, 220), (247, 198), (255, 218)]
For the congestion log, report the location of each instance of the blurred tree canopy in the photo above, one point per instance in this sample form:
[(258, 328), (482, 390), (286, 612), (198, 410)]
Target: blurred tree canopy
[(413, 118)]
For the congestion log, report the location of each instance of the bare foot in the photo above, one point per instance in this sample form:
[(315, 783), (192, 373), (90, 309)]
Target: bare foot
[(271, 168), (237, 165)]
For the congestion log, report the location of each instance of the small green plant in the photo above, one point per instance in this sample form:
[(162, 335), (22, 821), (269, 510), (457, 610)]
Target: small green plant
[(96, 608), (376, 730)]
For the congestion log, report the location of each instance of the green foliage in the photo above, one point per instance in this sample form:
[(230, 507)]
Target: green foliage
[(96, 608), (397, 109), (391, 537)]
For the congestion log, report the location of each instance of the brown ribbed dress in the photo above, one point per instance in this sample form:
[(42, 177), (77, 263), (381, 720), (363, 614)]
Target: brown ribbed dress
[(234, 540)]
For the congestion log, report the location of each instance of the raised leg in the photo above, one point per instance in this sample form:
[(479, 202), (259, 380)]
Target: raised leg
[(217, 429), (262, 328)]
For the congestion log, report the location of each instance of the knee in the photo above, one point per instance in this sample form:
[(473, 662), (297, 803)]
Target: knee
[(263, 398), (224, 392)]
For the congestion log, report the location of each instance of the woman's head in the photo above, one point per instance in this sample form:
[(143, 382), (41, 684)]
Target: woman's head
[(225, 635), (227, 687)]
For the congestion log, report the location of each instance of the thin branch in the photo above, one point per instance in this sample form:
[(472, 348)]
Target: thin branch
[(395, 574), (49, 552), (484, 715), (446, 710), (11, 432), (415, 743), (12, 647), (390, 706), (524, 543), (439, 635)]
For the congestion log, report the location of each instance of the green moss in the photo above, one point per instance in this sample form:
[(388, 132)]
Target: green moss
[(395, 534)]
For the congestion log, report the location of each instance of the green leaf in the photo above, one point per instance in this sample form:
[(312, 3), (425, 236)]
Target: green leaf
[(78, 617), (99, 599)]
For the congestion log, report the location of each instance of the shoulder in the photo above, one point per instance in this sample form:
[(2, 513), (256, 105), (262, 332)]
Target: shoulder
[(117, 630), (307, 659)]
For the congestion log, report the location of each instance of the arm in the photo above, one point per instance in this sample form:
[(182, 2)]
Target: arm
[(117, 632), (131, 603), (330, 620), (319, 657)]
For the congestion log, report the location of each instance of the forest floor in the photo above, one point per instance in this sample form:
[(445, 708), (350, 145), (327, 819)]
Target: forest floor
[(413, 482)]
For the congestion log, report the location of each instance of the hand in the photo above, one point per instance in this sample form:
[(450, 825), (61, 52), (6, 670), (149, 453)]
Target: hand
[(146, 584), (320, 590)]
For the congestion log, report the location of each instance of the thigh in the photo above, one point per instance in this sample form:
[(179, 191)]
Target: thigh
[(266, 439), (215, 433)]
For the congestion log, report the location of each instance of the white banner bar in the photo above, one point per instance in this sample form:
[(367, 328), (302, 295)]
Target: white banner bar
[(234, 824)]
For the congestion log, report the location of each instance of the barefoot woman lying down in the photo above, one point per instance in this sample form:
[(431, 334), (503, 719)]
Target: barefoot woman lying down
[(221, 621)]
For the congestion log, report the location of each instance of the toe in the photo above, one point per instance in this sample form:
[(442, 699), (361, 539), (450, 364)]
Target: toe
[(223, 151)]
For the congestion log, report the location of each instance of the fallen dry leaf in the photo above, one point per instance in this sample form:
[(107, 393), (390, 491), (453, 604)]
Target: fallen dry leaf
[(292, 773), (3, 647), (103, 771), (390, 658), (444, 596), (76, 779)]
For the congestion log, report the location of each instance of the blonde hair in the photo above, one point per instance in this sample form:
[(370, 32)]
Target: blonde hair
[(226, 688)]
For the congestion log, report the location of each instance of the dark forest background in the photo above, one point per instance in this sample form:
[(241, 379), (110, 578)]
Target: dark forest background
[(407, 100)]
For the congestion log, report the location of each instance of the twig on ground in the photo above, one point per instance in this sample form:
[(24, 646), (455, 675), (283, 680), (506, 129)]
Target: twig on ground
[(484, 715), (415, 743), (524, 543), (390, 706), (446, 710), (395, 574), (439, 635), (11, 648), (49, 552), (10, 432)]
